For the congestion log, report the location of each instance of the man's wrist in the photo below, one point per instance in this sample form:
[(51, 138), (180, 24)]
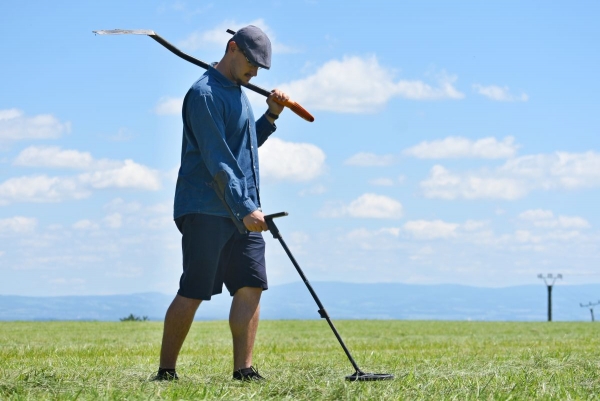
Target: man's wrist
[(272, 115)]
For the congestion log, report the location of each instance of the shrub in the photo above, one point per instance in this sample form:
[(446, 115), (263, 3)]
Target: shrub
[(133, 318)]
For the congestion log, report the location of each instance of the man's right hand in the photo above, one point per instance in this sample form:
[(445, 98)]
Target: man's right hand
[(255, 221)]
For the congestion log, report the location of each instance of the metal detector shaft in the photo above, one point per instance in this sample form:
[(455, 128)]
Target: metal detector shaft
[(292, 105), (322, 312)]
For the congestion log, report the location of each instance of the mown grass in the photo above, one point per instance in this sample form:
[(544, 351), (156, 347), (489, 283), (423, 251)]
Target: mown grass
[(303, 361)]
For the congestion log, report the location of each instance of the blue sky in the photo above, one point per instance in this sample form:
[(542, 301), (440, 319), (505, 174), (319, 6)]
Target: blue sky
[(453, 142)]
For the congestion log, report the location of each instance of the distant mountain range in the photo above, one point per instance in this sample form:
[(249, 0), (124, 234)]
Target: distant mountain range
[(341, 300)]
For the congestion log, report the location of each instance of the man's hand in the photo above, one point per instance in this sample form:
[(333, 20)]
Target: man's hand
[(273, 99), (255, 221)]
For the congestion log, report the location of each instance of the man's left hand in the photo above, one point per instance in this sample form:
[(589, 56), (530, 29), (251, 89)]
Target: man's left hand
[(275, 99)]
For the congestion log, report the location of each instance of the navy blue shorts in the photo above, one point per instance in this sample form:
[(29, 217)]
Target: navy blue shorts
[(215, 253)]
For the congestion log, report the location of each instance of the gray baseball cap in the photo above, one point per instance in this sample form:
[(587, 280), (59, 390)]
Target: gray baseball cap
[(255, 45)]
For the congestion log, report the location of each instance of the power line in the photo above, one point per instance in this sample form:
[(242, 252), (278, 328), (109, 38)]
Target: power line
[(591, 306), (554, 278)]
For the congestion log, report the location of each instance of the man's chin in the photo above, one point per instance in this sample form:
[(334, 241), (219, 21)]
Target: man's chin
[(244, 80)]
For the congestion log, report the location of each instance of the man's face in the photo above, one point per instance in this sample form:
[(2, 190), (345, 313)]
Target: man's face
[(242, 69)]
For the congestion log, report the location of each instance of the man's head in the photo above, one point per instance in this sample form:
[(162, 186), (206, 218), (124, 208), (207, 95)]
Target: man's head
[(248, 50), (255, 45)]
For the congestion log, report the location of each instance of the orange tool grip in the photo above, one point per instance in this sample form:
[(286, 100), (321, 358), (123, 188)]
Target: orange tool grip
[(299, 110)]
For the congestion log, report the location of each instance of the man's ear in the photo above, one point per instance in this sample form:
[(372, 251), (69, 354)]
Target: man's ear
[(232, 46)]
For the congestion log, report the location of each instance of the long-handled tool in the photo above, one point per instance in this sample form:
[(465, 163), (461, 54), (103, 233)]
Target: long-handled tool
[(358, 375), (295, 107)]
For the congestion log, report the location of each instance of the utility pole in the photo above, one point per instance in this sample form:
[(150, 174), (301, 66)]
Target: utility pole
[(591, 306), (550, 277)]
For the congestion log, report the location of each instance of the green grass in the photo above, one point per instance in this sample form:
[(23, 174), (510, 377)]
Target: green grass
[(303, 361)]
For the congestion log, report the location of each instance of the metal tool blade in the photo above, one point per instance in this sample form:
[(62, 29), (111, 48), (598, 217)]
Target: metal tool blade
[(125, 32)]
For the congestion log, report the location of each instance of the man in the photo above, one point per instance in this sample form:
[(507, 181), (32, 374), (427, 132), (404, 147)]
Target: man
[(218, 190)]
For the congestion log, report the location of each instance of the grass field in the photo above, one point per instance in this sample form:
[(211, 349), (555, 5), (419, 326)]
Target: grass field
[(303, 361)]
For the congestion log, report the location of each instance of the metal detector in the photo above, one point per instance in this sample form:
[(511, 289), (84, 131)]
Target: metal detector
[(358, 375)]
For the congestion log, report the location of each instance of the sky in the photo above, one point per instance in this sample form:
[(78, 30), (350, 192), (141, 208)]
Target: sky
[(453, 142)]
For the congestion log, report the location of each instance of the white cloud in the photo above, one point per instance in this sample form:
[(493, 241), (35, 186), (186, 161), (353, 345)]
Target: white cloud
[(396, 237), (459, 147), (385, 238), (387, 182), (314, 190), (371, 206), (114, 220), (517, 177), (363, 233), (56, 157), (375, 207), (545, 219), (10, 114), (259, 103), (85, 225), (361, 85), (382, 182), (433, 229), (572, 222), (280, 160), (103, 173), (41, 188), (169, 106), (498, 93), (17, 225), (474, 225), (67, 281), (441, 183), (557, 170), (366, 159), (474, 234), (218, 36), (128, 175), (53, 156), (537, 214), (155, 217), (15, 125), (119, 205)]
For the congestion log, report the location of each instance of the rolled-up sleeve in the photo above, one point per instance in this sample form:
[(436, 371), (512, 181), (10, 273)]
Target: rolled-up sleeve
[(264, 129)]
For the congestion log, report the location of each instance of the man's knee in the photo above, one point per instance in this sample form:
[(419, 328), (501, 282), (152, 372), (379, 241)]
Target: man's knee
[(248, 292), (182, 302)]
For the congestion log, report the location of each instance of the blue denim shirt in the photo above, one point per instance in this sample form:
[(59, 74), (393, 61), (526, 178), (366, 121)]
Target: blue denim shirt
[(219, 134)]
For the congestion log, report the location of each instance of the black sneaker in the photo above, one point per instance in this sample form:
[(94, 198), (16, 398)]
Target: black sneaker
[(247, 374), (165, 375)]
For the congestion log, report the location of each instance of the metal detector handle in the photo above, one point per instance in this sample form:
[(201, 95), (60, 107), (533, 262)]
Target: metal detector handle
[(272, 227)]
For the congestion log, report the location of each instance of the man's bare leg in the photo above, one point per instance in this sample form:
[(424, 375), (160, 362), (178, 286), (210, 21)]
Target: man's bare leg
[(178, 321), (243, 322)]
